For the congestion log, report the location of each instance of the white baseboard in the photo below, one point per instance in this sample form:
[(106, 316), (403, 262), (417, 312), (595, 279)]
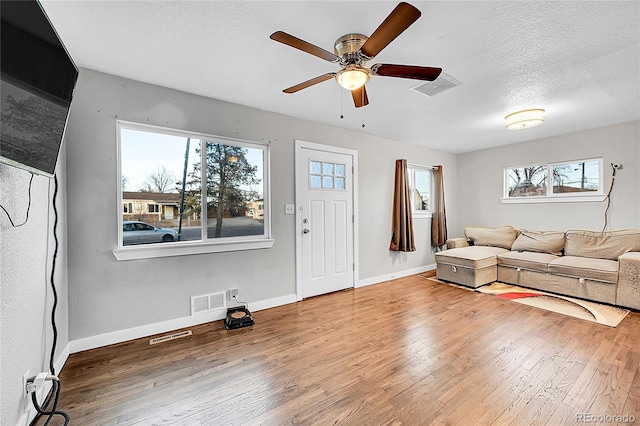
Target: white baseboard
[(111, 338), (394, 275), (272, 303), (114, 337), (62, 359)]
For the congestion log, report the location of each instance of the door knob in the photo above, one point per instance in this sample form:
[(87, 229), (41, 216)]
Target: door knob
[(305, 231)]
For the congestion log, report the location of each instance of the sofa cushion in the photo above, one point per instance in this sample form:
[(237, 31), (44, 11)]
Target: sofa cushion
[(539, 241), (601, 245), (526, 260), (470, 257), (587, 268), (494, 237)]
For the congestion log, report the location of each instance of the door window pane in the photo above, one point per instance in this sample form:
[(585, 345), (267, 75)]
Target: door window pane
[(316, 181), (326, 175), (327, 182)]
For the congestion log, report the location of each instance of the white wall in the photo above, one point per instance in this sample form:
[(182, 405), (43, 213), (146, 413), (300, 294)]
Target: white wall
[(106, 296), (480, 182), (26, 299)]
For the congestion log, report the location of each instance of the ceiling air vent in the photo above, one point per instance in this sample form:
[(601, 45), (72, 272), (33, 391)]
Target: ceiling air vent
[(439, 85)]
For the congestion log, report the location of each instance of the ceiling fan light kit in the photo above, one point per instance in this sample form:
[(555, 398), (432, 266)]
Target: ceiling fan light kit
[(524, 119), (352, 78), (352, 51)]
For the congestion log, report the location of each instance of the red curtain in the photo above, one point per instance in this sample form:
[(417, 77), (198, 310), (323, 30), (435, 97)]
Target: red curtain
[(401, 221)]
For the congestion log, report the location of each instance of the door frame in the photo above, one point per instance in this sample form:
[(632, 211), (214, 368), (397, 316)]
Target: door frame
[(299, 146)]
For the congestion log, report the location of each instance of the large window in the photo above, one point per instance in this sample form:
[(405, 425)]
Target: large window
[(421, 189), (194, 193), (579, 180)]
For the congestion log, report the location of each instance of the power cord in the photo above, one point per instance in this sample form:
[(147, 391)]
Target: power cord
[(606, 211), (28, 208), (33, 384), (235, 297), (55, 393)]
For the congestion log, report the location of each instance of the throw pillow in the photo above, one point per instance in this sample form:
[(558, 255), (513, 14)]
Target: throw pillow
[(551, 242), (602, 245), (494, 237)]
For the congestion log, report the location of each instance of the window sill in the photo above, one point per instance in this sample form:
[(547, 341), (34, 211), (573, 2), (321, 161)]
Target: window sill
[(185, 249), (422, 215), (558, 199)]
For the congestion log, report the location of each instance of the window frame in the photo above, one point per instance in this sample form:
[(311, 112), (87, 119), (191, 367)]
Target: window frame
[(550, 196), (411, 170), (204, 245)]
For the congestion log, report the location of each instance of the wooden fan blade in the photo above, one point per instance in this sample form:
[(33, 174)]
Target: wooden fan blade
[(398, 20), (299, 44), (360, 98), (305, 84), (406, 71)]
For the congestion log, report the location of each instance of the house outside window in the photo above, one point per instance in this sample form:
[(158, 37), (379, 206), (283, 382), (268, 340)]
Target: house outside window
[(213, 191), (579, 180)]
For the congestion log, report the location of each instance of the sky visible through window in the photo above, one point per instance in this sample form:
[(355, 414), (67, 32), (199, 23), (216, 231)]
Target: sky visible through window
[(144, 153)]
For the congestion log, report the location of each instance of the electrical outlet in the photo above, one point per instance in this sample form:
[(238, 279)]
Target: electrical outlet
[(25, 394), (233, 292)]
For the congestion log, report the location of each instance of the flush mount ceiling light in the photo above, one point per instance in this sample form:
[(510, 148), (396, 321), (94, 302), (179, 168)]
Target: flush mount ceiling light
[(352, 77), (524, 119)]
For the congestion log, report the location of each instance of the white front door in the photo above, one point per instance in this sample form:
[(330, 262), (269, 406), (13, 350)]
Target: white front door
[(324, 219)]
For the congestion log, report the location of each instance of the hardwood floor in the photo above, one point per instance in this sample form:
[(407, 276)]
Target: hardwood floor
[(404, 352)]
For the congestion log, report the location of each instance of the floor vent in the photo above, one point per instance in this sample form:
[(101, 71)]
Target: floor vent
[(439, 85), (207, 302), (170, 337)]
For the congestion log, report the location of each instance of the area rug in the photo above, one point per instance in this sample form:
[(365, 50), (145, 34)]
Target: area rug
[(591, 311)]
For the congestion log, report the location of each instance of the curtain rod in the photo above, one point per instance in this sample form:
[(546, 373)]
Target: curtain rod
[(423, 167)]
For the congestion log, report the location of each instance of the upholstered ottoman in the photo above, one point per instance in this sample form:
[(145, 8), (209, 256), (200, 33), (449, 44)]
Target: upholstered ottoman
[(471, 266)]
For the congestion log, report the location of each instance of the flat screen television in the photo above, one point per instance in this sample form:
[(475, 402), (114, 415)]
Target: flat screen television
[(38, 77)]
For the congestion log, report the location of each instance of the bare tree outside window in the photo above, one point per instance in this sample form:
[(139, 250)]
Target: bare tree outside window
[(566, 179), (527, 181), (160, 180), (209, 190)]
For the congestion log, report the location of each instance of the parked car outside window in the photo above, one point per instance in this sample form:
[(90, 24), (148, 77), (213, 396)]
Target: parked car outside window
[(143, 233)]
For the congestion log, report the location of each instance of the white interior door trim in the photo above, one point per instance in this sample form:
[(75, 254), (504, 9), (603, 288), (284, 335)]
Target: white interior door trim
[(300, 145)]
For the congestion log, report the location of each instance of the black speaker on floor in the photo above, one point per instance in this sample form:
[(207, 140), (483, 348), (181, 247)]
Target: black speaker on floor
[(238, 317)]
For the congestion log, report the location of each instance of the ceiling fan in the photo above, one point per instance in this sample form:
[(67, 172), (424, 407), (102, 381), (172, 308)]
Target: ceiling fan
[(352, 51)]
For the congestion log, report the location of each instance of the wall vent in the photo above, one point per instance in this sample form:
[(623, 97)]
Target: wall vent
[(439, 85), (207, 303), (170, 337)]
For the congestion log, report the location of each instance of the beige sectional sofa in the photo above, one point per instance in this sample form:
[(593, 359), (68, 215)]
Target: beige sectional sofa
[(593, 265)]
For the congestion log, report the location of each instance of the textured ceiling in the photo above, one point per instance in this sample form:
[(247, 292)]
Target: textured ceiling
[(578, 60)]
